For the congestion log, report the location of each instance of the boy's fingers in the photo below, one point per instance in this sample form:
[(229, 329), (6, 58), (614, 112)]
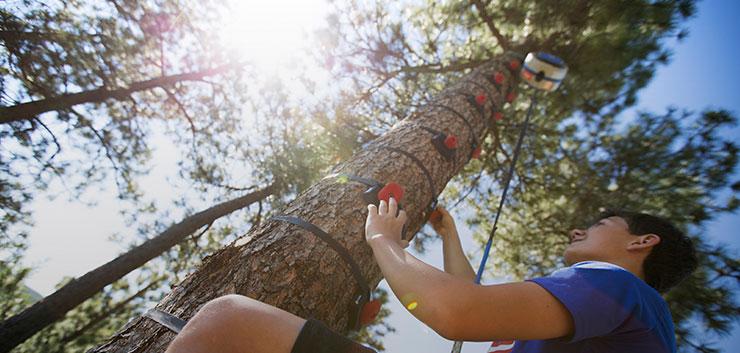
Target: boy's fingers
[(402, 216), (392, 206), (372, 209), (383, 208), (404, 244), (442, 210)]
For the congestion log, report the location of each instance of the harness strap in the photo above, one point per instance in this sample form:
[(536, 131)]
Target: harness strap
[(172, 322), (363, 296), (460, 116), (424, 170), (472, 99), (361, 180), (354, 268)]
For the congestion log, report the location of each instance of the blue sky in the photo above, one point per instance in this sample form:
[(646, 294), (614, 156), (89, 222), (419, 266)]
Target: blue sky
[(703, 74)]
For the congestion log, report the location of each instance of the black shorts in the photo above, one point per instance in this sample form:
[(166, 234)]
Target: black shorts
[(316, 337)]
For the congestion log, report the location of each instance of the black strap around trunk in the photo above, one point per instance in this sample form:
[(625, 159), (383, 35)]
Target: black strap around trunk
[(423, 169), (459, 115), (354, 268), (361, 180), (172, 322)]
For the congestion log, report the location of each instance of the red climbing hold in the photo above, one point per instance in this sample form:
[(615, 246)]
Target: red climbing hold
[(511, 97), (451, 141), (476, 153), (499, 78), (514, 64), (391, 189), (498, 116), (480, 99), (369, 312)]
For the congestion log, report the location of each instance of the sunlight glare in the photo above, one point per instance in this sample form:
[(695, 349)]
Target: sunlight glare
[(271, 33)]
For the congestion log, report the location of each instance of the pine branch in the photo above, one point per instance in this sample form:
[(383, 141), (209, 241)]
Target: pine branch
[(29, 110), (502, 42)]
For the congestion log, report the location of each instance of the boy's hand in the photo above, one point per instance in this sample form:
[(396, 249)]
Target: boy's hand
[(443, 223), (383, 222)]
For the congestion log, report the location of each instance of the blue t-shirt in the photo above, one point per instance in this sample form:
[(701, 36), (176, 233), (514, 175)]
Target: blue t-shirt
[(613, 311)]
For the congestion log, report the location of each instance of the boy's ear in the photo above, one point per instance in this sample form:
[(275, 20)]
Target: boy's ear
[(645, 241)]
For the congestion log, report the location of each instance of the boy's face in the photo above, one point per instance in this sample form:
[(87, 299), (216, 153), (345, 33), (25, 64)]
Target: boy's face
[(605, 240)]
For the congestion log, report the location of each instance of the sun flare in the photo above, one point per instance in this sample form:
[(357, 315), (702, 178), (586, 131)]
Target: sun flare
[(270, 33)]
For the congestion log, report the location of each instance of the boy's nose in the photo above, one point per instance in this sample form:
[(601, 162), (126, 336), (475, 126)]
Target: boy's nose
[(576, 234)]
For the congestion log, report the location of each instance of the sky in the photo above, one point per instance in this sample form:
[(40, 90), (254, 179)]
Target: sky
[(70, 238)]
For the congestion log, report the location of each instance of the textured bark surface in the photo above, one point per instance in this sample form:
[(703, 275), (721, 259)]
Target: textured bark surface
[(288, 267)]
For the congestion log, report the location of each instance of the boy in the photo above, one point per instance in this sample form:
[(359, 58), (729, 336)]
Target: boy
[(607, 300)]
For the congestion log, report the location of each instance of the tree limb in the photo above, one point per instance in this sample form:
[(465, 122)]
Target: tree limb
[(502, 42), (29, 110)]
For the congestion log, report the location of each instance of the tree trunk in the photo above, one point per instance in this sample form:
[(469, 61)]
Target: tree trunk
[(29, 110), (22, 326), (288, 267)]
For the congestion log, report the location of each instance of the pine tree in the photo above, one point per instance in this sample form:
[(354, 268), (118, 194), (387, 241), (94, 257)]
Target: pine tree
[(282, 265)]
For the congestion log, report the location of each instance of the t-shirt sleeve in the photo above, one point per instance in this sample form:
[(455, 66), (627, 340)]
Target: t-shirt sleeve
[(599, 300)]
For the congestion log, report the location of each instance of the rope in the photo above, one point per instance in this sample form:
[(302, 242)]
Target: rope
[(457, 347), (506, 188)]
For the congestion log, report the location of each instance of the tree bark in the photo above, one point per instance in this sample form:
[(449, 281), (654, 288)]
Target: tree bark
[(29, 110), (288, 267), (22, 326)]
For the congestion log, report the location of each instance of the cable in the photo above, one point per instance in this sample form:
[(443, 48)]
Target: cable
[(457, 347)]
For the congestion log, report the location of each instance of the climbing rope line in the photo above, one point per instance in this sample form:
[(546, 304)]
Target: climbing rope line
[(544, 72), (509, 176)]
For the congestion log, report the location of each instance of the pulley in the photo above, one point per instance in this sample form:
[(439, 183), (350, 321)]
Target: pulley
[(543, 71)]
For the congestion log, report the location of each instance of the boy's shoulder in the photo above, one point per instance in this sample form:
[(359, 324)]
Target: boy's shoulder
[(606, 301), (630, 290)]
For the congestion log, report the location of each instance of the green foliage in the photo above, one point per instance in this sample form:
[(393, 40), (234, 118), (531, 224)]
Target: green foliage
[(93, 321), (13, 294), (51, 49)]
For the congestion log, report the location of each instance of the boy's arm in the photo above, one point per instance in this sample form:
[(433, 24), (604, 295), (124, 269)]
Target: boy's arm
[(456, 308), (455, 261)]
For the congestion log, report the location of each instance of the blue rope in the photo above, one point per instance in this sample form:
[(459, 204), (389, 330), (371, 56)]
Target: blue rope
[(506, 188)]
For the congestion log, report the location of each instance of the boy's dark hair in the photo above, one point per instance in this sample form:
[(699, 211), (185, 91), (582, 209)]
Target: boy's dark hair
[(669, 262)]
